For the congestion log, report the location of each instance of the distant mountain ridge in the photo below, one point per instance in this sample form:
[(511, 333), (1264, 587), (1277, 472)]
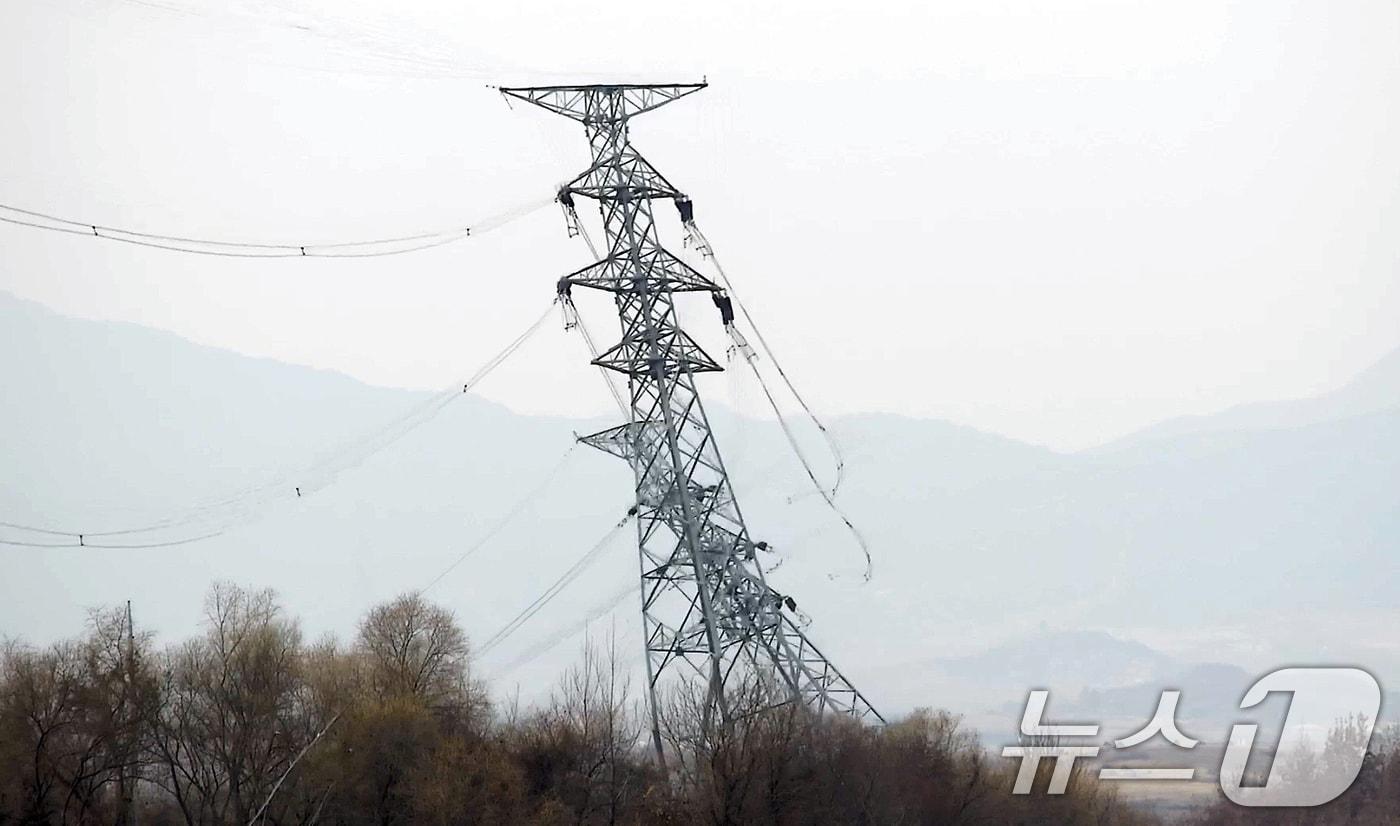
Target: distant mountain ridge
[(1375, 389), (1271, 544)]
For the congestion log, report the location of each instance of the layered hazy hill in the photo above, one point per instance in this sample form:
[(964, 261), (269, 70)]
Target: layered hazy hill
[(1263, 536), (1375, 390)]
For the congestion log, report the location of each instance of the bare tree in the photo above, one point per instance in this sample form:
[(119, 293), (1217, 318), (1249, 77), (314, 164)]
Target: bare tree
[(74, 715), (415, 648), (244, 722), (746, 769), (583, 747), (38, 712), (234, 712)]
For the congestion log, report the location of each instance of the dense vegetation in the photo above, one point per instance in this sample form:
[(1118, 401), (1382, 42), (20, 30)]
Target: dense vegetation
[(248, 722), (1372, 799)]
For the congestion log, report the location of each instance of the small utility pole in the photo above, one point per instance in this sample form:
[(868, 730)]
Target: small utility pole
[(128, 783)]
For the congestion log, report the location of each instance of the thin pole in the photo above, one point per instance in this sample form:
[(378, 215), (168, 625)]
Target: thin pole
[(128, 785)]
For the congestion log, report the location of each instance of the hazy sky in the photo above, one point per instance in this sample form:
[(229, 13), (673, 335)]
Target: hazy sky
[(1056, 221)]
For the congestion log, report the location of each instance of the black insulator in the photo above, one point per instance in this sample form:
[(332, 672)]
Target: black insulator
[(725, 305), (565, 286), (686, 209), (566, 198)]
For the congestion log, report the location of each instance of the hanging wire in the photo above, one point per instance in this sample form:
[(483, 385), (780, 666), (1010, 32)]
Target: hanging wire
[(607, 374), (295, 760), (827, 495), (81, 542), (320, 474), (588, 338), (563, 633), (708, 251), (363, 42), (519, 508), (564, 580), (374, 49), (372, 248)]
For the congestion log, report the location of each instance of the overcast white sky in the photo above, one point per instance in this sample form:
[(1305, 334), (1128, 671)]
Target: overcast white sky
[(1057, 221)]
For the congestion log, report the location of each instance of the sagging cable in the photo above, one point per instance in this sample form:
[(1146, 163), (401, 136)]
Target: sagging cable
[(826, 495), (370, 248), (564, 580), (583, 328), (241, 508), (723, 301), (519, 508), (696, 239), (553, 638)]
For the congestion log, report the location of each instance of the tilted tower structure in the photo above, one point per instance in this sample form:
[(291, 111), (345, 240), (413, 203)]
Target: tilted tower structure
[(705, 601)]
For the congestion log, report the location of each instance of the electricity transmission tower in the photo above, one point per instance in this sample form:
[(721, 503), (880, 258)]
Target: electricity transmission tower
[(705, 601)]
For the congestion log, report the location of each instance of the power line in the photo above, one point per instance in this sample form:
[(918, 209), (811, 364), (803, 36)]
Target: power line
[(371, 248), (588, 338), (83, 543), (375, 49), (704, 245), (553, 638), (295, 760), (590, 556), (510, 516), (708, 251), (243, 507), (828, 496)]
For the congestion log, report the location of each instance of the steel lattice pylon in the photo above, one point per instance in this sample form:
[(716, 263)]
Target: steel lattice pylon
[(705, 601)]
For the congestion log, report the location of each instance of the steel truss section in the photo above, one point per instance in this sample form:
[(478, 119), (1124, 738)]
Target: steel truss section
[(705, 602)]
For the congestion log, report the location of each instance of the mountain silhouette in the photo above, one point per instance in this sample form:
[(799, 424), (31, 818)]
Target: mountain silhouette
[(1264, 536)]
